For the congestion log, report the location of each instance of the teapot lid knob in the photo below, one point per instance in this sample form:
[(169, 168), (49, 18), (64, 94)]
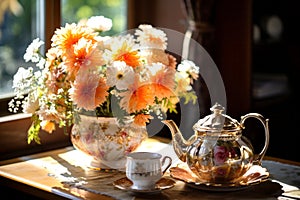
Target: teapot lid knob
[(217, 108), (217, 121)]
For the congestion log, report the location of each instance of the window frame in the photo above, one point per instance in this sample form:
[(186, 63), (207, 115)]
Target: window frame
[(47, 23)]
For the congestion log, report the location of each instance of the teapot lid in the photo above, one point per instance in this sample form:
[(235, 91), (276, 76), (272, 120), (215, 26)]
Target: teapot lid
[(217, 121)]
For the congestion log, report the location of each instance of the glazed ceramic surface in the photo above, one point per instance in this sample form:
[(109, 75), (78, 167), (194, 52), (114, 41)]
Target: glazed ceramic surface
[(106, 140), (144, 169)]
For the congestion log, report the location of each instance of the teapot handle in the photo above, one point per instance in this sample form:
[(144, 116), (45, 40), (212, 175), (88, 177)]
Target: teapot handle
[(267, 135)]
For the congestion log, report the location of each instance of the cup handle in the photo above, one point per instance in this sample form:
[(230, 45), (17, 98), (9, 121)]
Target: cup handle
[(163, 163)]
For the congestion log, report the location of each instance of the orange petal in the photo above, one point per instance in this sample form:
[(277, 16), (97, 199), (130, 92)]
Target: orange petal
[(142, 119), (48, 126), (130, 58), (101, 92), (141, 98), (161, 91)]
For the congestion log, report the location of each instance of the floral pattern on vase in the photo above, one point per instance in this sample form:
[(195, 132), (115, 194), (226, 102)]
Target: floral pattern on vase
[(107, 141)]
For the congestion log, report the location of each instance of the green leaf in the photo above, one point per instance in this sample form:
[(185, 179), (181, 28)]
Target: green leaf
[(33, 131), (190, 96), (33, 134)]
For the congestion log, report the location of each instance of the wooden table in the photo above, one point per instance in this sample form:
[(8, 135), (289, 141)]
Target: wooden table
[(45, 175)]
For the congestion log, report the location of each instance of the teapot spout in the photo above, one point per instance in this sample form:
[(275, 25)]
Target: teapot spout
[(180, 145)]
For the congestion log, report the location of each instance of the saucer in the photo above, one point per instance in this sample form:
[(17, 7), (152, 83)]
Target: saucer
[(255, 175), (125, 184)]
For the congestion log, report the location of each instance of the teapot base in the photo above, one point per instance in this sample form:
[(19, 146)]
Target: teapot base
[(255, 175), (219, 174)]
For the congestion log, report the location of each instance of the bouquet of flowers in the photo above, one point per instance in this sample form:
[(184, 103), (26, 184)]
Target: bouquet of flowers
[(129, 76)]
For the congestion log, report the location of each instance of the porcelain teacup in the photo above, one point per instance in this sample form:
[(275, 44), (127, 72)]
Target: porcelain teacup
[(144, 169)]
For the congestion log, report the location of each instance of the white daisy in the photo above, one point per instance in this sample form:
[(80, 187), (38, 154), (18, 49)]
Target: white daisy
[(120, 75)]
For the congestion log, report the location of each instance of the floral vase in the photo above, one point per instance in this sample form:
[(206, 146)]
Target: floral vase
[(107, 141)]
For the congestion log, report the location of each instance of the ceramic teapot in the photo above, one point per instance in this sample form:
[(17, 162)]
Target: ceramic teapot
[(218, 152)]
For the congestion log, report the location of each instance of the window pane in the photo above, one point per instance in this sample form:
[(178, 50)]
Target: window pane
[(17, 29), (19, 25), (74, 10)]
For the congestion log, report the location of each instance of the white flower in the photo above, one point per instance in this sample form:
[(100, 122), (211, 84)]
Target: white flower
[(22, 75), (188, 69), (155, 67), (41, 63), (23, 81), (39, 77), (31, 103), (120, 75), (99, 23), (188, 66), (151, 37), (32, 51), (102, 42), (126, 42), (183, 82)]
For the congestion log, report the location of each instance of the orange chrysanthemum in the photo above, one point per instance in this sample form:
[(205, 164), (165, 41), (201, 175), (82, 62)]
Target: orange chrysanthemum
[(138, 97), (123, 50), (141, 98), (65, 37), (162, 91), (101, 92), (89, 91), (163, 83), (172, 61), (85, 54), (130, 58), (142, 119)]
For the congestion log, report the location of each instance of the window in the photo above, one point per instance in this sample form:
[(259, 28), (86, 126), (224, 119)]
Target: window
[(17, 27), (21, 21), (73, 11)]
